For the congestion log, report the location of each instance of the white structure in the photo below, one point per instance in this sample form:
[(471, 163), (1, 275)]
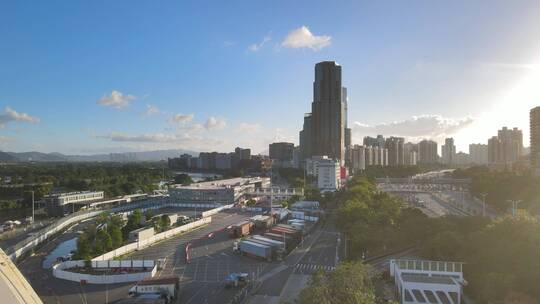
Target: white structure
[(312, 164), (58, 204), (420, 281), (225, 191), (329, 175)]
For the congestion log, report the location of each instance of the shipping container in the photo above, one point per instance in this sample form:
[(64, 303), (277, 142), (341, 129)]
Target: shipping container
[(276, 243), (263, 221), (256, 249), (241, 229)]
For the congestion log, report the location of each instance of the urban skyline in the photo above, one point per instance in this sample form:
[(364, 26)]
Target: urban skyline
[(152, 98)]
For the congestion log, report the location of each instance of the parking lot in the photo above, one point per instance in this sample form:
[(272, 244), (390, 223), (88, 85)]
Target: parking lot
[(211, 259)]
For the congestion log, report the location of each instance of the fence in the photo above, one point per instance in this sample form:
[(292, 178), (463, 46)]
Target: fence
[(42, 235), (60, 271), (149, 241)]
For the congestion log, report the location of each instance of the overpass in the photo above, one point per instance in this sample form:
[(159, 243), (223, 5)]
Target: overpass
[(463, 182), (275, 192)]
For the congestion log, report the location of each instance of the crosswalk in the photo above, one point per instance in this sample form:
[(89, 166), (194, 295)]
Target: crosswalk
[(311, 268)]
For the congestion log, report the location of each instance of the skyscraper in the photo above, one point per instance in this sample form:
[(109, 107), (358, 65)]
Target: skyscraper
[(448, 151), (305, 138), (535, 140), (479, 154), (328, 112)]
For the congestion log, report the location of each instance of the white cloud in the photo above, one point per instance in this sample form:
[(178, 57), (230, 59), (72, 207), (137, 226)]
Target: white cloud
[(418, 127), (249, 128), (181, 118), (257, 46), (116, 100), (12, 115), (215, 123), (162, 140), (152, 110), (303, 38), (149, 138)]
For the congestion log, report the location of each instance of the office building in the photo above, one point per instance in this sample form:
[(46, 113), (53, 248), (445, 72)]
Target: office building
[(329, 175), (478, 154), (327, 121), (448, 152), (396, 155), (223, 161), (427, 152), (281, 151), (535, 140), (305, 139), (506, 148)]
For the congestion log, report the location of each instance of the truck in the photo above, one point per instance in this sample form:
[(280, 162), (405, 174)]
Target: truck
[(166, 287), (255, 249), (236, 279)]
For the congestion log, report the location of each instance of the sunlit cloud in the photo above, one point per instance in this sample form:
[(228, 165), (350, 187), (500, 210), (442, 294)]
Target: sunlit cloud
[(116, 100), (11, 115), (303, 38)]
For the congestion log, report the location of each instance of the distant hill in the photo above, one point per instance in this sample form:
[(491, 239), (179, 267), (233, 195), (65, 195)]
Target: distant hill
[(7, 158), (34, 156)]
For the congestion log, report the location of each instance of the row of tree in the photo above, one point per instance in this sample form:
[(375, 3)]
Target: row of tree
[(500, 256)]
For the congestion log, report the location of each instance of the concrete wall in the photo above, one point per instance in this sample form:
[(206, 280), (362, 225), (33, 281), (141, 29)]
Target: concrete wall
[(149, 241), (61, 271), (216, 210)]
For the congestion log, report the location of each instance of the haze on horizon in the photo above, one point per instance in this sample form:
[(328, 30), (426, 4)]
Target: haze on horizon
[(100, 77)]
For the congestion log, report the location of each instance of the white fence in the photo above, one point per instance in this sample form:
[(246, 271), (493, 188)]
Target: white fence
[(61, 271), (215, 210), (149, 241), (41, 236)]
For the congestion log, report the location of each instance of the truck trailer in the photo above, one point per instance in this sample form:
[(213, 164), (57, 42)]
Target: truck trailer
[(255, 249)]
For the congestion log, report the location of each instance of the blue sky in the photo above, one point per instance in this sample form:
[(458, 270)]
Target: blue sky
[(84, 77)]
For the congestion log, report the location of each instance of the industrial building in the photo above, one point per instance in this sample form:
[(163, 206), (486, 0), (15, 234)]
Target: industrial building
[(421, 281), (225, 191)]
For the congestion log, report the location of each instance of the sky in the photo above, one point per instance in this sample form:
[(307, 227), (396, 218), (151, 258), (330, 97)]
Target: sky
[(87, 77)]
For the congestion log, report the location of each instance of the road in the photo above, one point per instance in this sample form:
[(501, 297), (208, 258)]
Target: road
[(319, 251)]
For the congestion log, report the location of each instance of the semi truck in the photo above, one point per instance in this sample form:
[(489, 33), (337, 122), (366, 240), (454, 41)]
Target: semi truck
[(241, 229)]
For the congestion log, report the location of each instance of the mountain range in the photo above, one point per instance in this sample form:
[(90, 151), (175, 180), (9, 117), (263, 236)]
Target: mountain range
[(157, 155)]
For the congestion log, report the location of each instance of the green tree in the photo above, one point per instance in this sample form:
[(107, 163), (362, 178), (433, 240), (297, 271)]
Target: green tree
[(103, 242), (183, 179), (350, 283)]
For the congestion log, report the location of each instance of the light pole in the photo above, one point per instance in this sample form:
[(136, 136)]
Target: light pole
[(483, 195), (33, 209), (514, 206)]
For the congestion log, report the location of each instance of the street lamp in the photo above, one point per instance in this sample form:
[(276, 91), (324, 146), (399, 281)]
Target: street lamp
[(483, 195), (514, 205)]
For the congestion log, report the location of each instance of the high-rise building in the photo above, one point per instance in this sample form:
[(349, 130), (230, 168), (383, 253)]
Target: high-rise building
[(242, 153), (535, 140), (411, 154), (506, 148), (427, 152), (305, 138), (396, 156), (448, 152), (478, 154), (358, 158), (328, 112), (378, 141), (282, 151), (329, 175)]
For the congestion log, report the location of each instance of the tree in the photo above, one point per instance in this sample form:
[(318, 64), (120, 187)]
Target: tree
[(183, 179), (164, 222), (103, 242), (350, 283)]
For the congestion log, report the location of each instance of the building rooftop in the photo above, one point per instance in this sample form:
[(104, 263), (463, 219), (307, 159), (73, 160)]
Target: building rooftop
[(222, 183)]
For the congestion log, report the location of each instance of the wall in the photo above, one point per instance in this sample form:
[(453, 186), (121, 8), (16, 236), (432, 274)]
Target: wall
[(149, 241), (215, 210), (60, 271)]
